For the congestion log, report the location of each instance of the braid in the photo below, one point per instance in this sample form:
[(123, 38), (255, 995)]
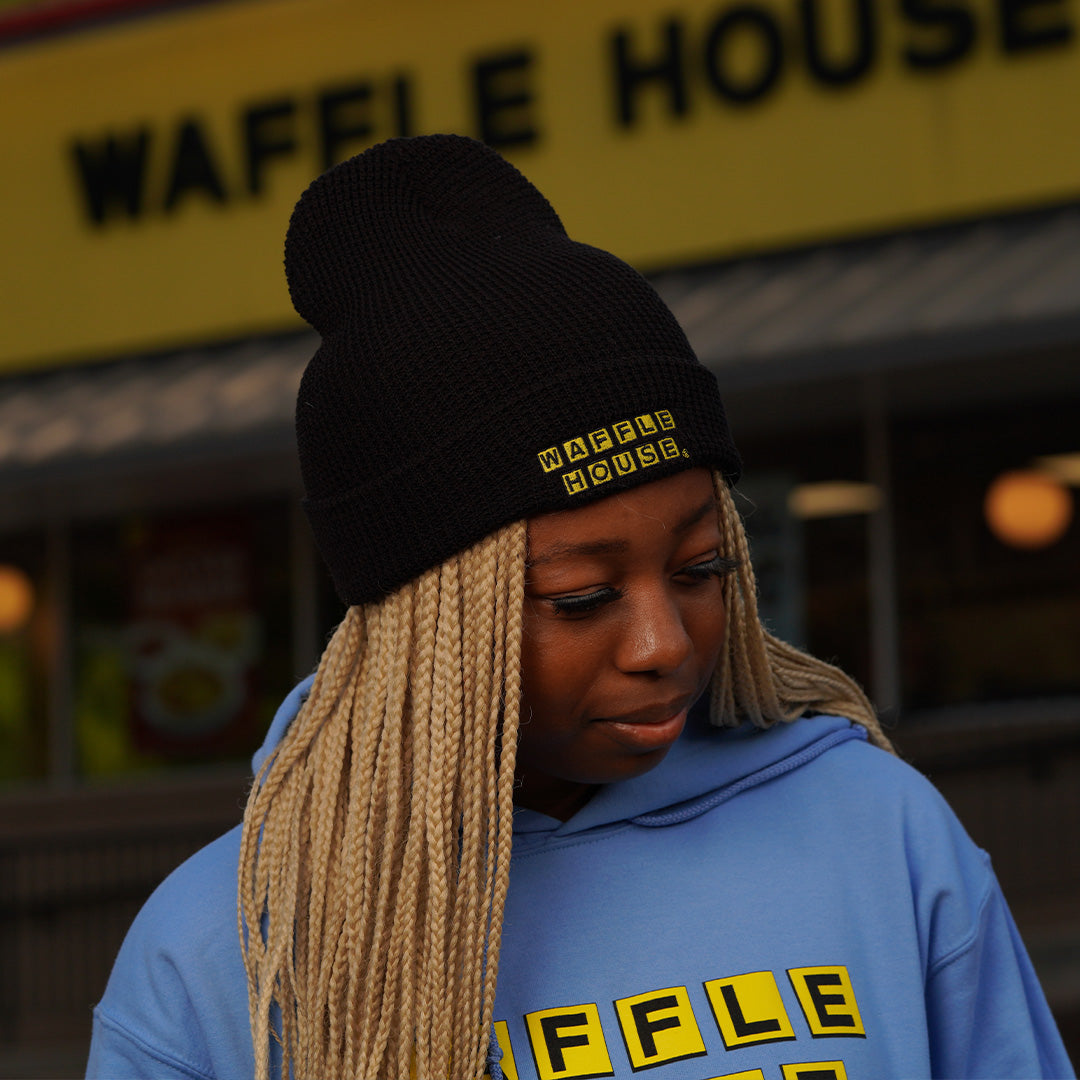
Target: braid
[(376, 845), (375, 851), (761, 678)]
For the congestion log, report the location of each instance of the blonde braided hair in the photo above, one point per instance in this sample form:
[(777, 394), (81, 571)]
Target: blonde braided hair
[(375, 855), (761, 678), (376, 842)]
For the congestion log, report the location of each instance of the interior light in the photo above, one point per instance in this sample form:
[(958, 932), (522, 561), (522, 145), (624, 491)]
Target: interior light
[(1027, 508), (833, 498), (16, 599), (1064, 468)]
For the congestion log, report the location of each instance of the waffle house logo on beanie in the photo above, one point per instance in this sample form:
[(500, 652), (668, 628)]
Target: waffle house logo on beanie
[(619, 449)]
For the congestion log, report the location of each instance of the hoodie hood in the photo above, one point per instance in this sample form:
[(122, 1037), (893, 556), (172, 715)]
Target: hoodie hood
[(286, 713), (707, 766)]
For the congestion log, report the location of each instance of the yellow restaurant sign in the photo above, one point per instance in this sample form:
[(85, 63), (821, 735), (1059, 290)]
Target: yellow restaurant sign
[(151, 165)]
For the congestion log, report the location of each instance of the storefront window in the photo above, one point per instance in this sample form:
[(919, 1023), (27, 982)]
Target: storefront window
[(24, 647), (985, 615), (181, 637), (811, 559)]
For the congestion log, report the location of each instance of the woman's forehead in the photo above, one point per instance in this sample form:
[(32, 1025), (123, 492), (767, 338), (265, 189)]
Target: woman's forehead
[(675, 504)]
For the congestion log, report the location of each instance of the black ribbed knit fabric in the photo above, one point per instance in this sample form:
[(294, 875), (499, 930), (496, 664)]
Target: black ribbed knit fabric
[(477, 366)]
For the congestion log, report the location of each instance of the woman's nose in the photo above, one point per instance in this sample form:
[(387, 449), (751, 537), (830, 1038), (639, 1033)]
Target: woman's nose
[(654, 637)]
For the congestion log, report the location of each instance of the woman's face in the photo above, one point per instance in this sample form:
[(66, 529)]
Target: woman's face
[(623, 625)]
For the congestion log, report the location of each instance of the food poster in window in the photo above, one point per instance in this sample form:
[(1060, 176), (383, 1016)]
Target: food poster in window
[(193, 636)]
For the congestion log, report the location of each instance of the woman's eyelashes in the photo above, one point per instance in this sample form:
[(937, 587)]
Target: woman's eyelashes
[(718, 566), (583, 603), (586, 602)]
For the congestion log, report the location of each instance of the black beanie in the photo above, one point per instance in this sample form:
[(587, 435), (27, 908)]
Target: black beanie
[(477, 366)]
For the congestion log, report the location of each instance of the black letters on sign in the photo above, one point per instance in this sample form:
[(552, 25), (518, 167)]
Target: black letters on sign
[(955, 31), (1033, 24), (193, 168), (746, 18), (667, 70), (268, 133), (111, 173), (844, 72), (343, 116), (502, 96), (402, 91)]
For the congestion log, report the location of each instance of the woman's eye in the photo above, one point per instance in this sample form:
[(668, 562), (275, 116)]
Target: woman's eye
[(584, 603), (718, 566)]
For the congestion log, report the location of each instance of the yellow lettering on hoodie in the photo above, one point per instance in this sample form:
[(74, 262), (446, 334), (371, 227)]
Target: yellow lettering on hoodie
[(827, 1001), (568, 1043), (749, 1010), (659, 1027), (507, 1062)]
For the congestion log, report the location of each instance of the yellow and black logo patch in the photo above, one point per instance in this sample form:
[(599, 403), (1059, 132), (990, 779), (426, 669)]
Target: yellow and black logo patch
[(579, 462)]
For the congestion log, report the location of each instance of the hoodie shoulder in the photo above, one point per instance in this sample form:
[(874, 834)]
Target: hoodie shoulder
[(177, 995), (286, 713)]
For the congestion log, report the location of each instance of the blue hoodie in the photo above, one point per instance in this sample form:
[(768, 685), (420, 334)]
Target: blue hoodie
[(792, 904)]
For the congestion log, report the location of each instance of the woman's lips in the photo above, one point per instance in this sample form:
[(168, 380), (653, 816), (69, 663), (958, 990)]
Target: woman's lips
[(644, 733)]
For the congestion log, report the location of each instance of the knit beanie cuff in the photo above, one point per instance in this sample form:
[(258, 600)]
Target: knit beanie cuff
[(556, 447)]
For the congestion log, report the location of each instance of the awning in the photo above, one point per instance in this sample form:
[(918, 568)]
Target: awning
[(970, 290), (240, 397)]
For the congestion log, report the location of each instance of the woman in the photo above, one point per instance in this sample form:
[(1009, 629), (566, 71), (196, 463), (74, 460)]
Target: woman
[(519, 476)]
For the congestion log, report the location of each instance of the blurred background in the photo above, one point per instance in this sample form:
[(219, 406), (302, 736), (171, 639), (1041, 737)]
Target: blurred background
[(866, 213)]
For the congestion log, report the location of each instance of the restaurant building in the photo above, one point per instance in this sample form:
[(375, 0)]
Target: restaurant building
[(866, 214)]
